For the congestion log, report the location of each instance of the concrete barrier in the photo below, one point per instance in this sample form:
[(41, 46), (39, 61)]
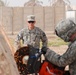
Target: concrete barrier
[(7, 62)]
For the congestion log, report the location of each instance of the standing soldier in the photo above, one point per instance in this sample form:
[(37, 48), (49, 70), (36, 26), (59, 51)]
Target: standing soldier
[(32, 36)]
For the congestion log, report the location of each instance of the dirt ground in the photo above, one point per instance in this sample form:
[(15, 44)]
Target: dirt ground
[(58, 49)]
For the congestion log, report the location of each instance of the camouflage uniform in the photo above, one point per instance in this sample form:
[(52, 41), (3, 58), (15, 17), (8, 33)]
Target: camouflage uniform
[(65, 29), (32, 37)]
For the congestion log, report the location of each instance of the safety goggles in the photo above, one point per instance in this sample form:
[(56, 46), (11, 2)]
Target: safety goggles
[(31, 21)]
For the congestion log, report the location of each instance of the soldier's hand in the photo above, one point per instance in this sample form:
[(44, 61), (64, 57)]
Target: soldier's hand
[(44, 50)]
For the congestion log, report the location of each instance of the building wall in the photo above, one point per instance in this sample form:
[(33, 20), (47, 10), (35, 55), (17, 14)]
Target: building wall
[(14, 19), (17, 19), (7, 21)]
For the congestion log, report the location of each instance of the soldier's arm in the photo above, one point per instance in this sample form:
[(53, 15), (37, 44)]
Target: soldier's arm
[(62, 60), (18, 39), (44, 39)]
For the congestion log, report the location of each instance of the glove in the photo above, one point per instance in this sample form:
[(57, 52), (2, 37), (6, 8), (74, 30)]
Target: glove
[(44, 50)]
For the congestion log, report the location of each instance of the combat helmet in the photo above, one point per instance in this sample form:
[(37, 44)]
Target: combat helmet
[(65, 29)]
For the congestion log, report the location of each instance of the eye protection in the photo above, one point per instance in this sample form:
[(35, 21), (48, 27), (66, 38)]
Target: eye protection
[(31, 21)]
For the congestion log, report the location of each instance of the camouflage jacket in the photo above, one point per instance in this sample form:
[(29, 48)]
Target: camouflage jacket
[(68, 58), (31, 37)]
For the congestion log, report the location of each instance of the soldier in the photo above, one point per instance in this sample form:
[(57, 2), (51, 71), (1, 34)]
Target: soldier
[(66, 30), (32, 36)]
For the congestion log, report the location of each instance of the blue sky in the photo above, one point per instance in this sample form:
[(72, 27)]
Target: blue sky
[(21, 2)]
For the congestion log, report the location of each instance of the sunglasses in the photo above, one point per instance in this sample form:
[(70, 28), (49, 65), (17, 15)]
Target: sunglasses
[(31, 21)]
